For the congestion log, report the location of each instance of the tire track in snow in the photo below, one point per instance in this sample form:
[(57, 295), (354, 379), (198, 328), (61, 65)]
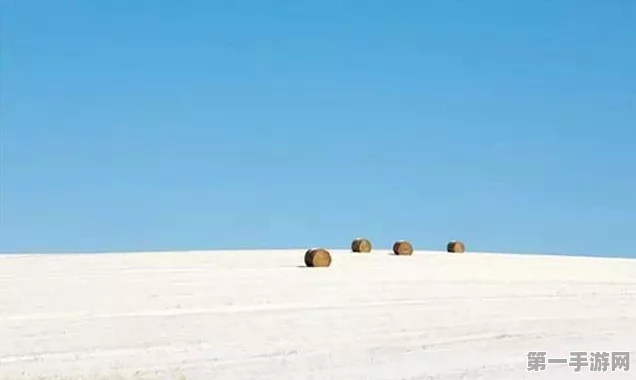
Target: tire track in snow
[(83, 315)]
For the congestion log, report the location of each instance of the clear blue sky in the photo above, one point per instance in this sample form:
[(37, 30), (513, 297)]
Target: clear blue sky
[(168, 125)]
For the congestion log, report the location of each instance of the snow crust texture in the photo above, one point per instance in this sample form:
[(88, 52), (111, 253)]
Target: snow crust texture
[(264, 315)]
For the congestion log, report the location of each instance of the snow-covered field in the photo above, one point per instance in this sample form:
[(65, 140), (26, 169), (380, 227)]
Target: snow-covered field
[(263, 315)]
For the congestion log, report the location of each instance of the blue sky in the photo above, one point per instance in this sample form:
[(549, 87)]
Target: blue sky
[(163, 125)]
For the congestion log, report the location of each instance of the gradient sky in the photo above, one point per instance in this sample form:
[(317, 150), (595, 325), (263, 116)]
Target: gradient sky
[(178, 125)]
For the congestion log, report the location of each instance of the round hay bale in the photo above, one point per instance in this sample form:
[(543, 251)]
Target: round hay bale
[(455, 247), (361, 245), (317, 257), (402, 248)]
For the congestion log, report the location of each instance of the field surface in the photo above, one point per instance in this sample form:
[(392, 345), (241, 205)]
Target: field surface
[(263, 315)]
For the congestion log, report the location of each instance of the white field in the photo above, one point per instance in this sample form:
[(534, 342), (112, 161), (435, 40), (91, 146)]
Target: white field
[(263, 315)]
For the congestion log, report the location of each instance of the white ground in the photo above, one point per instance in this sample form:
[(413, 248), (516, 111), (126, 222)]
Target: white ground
[(263, 315)]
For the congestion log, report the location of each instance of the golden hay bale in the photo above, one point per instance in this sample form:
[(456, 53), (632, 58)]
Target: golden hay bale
[(317, 257), (402, 247), (455, 247), (361, 245)]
